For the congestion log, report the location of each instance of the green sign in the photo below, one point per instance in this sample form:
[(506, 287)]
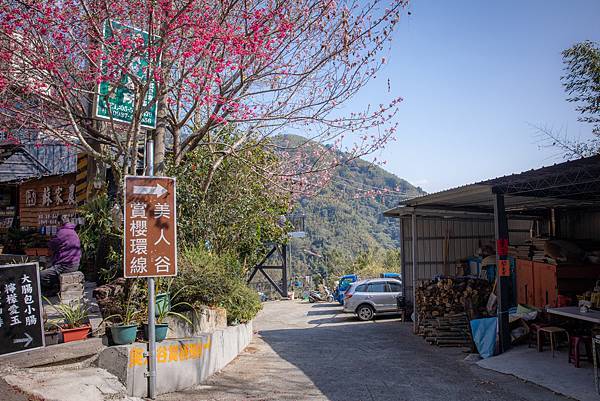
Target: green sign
[(118, 103)]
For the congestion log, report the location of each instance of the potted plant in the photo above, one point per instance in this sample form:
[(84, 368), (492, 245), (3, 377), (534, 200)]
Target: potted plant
[(163, 299), (162, 311), (74, 316), (52, 334), (125, 331)]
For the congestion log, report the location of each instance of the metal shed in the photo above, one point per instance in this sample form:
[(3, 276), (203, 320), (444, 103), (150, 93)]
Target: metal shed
[(443, 239), (564, 199)]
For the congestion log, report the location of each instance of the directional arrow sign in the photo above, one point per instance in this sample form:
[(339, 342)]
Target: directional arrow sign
[(27, 340), (22, 327), (150, 227), (157, 190)]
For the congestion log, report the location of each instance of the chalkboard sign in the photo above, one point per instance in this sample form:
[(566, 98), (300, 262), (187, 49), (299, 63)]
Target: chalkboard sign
[(21, 311)]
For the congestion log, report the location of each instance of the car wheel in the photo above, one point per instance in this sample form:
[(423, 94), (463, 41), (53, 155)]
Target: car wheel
[(365, 312)]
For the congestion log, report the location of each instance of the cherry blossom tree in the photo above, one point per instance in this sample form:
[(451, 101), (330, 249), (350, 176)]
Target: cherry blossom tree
[(264, 67)]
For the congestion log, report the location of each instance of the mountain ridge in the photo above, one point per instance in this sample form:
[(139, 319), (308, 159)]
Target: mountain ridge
[(341, 223)]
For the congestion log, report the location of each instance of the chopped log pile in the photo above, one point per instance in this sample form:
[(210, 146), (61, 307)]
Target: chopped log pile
[(445, 306), (447, 296), (447, 331)]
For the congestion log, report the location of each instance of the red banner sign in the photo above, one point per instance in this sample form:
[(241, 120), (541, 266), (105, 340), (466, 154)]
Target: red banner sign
[(502, 247), (503, 268)]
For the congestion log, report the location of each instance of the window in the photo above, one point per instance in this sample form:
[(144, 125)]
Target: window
[(376, 287), (361, 288), (394, 287)]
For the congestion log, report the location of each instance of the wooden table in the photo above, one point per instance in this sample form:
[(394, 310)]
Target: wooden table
[(574, 313)]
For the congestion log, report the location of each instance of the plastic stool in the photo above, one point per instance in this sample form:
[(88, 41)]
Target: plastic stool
[(574, 355), (533, 335), (552, 332)]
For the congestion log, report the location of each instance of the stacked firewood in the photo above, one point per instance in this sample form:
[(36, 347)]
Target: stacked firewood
[(448, 331), (452, 295)]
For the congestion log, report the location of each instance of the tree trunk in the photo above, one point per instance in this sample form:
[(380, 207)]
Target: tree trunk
[(161, 111), (160, 134)]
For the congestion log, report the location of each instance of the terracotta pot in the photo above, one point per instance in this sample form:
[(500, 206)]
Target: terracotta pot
[(76, 334), (30, 251)]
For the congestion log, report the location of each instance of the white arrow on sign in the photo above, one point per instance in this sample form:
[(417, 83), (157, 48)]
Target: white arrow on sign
[(27, 340), (157, 190)]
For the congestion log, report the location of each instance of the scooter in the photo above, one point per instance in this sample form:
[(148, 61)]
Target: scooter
[(316, 296)]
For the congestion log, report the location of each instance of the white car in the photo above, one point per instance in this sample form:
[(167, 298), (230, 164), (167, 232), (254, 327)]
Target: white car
[(368, 298)]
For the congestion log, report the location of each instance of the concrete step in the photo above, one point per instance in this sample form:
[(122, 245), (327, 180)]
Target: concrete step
[(56, 354)]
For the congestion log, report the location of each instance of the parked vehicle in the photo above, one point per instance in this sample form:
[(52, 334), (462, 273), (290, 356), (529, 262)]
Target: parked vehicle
[(343, 285), (372, 297), (317, 296)]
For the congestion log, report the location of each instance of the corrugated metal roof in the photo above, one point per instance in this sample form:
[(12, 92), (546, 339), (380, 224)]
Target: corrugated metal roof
[(574, 183), (16, 163)]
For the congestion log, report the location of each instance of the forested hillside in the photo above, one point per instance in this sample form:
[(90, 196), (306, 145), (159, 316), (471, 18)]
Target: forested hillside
[(345, 226)]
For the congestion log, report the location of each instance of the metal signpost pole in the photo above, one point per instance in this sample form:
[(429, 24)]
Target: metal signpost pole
[(151, 298)]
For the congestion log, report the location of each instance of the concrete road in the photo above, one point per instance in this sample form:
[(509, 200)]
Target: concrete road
[(313, 352)]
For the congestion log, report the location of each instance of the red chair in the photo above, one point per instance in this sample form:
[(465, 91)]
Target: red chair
[(574, 345)]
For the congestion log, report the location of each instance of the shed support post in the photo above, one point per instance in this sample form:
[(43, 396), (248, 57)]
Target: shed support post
[(503, 281), (402, 260), (414, 268)]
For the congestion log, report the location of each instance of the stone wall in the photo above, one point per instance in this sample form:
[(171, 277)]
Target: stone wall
[(204, 320), (181, 364)]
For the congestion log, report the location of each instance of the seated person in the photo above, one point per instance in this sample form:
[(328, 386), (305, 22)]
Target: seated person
[(65, 249)]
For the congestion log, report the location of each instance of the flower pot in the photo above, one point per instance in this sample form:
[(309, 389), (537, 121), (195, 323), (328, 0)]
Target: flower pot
[(163, 302), (76, 334), (30, 251), (52, 337), (122, 335), (160, 331)]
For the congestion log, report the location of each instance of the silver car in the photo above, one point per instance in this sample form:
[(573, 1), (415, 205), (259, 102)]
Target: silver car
[(368, 298)]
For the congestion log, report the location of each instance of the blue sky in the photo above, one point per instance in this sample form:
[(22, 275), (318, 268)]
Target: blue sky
[(475, 76)]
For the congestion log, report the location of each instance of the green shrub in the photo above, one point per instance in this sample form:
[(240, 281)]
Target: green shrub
[(101, 238), (205, 278), (242, 304)]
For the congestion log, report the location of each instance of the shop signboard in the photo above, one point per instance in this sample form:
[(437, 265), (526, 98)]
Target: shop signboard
[(150, 227), (21, 318), (118, 103), (43, 200)]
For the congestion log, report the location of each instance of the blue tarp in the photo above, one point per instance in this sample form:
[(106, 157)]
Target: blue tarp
[(484, 335)]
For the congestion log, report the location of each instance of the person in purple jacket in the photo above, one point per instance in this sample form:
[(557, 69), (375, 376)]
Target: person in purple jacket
[(65, 249)]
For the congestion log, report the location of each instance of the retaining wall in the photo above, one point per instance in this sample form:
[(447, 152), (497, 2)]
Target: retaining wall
[(181, 364)]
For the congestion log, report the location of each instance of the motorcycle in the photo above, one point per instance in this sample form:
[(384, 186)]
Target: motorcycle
[(316, 296)]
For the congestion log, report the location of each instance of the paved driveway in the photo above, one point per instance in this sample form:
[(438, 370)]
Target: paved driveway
[(313, 352)]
